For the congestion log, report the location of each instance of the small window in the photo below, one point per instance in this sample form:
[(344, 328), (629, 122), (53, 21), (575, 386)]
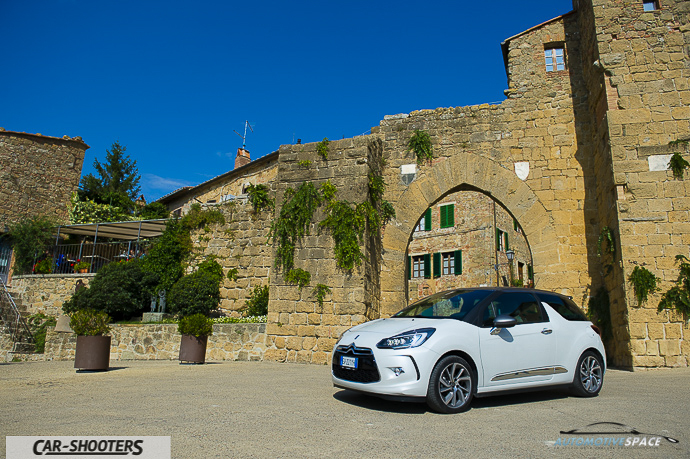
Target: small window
[(448, 263), (447, 216), (425, 222), (420, 266), (650, 5), (501, 241), (555, 59)]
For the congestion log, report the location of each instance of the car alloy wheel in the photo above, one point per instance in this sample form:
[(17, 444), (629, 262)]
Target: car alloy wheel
[(451, 386), (590, 375)]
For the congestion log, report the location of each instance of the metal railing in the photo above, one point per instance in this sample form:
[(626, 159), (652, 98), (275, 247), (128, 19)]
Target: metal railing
[(64, 258), (19, 330)]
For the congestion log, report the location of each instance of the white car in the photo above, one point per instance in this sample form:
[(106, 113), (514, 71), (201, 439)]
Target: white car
[(457, 344)]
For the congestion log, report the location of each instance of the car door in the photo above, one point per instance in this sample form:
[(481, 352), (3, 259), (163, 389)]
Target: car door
[(522, 354)]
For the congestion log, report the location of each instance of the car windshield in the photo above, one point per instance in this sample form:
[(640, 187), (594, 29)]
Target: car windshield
[(455, 304)]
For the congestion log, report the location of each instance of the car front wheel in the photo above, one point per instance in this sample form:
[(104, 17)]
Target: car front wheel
[(589, 376), (451, 386)]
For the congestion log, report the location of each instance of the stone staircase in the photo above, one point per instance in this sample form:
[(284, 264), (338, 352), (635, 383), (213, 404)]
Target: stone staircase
[(15, 336)]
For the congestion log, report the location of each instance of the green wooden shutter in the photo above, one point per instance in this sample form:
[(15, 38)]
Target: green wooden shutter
[(530, 272), (442, 212), (515, 226), (409, 267), (450, 218), (506, 235), (427, 266), (437, 265), (458, 262), (498, 239), (427, 220)]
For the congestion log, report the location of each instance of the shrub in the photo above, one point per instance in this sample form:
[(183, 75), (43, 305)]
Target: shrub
[(211, 267), (196, 325), (89, 322), (257, 304), (259, 197), (118, 289), (39, 324), (44, 266), (29, 238), (166, 256), (196, 293), (420, 144)]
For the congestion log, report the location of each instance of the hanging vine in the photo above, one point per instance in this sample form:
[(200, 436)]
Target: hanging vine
[(678, 296), (644, 283)]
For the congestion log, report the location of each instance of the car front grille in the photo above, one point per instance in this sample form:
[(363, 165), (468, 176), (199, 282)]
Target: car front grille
[(366, 371)]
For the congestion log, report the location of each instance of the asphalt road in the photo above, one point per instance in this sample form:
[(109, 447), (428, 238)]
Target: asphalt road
[(270, 410)]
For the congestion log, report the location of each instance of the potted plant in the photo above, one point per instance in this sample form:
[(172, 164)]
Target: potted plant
[(93, 345), (82, 267), (44, 266), (195, 330)]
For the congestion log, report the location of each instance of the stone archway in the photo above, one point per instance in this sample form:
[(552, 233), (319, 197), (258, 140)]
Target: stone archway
[(445, 175)]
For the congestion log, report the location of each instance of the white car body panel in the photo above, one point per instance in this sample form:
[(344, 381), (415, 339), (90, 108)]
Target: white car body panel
[(554, 348)]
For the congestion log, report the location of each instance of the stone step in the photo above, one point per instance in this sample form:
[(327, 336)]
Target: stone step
[(24, 348), (24, 357)]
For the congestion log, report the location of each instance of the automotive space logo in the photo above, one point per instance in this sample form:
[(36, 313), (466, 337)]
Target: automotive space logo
[(611, 434), (88, 447)]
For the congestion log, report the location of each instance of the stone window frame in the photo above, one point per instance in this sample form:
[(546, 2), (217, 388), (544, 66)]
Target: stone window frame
[(650, 5), (553, 48)]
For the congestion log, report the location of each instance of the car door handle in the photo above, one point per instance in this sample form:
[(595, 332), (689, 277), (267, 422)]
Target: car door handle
[(546, 331)]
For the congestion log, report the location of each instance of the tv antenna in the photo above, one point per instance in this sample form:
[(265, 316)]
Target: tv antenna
[(244, 137)]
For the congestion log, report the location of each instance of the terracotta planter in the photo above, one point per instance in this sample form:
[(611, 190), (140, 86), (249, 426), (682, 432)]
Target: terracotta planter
[(193, 349), (83, 270), (92, 353)]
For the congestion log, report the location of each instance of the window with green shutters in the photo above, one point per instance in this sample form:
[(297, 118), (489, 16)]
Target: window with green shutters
[(447, 215), (419, 266), (425, 222), (501, 240)]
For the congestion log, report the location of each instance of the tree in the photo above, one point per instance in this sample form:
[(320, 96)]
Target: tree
[(30, 238), (118, 178)]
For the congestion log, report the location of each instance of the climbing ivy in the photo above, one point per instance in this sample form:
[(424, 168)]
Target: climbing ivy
[(298, 276), (259, 197), (678, 165), (678, 296), (644, 282), (346, 223), (320, 291), (606, 235), (420, 144), (322, 148)]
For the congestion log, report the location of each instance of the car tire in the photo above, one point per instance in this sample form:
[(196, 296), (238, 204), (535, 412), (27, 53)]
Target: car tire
[(451, 386), (589, 375)]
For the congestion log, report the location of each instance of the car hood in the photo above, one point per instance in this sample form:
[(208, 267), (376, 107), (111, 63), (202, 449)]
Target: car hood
[(390, 327)]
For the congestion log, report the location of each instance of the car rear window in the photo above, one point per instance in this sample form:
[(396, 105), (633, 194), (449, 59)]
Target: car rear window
[(565, 307), (455, 304)]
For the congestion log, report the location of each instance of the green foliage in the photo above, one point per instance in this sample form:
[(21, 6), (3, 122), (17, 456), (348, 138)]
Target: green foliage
[(257, 304), (644, 283), (196, 325), (346, 224), (678, 165), (320, 291), (420, 144), (322, 148), (516, 283), (328, 190), (117, 182), (153, 211), (89, 322), (211, 267), (606, 236), (259, 197), (88, 211), (118, 289), (39, 323), (241, 320), (198, 218), (293, 223), (196, 293), (678, 296), (232, 274), (298, 276), (44, 266), (387, 212), (166, 256), (377, 186), (30, 238), (599, 312), (81, 265), (306, 163)]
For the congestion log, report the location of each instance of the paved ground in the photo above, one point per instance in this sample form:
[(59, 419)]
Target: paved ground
[(251, 409)]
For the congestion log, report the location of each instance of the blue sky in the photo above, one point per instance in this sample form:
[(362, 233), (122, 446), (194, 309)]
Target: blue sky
[(172, 79)]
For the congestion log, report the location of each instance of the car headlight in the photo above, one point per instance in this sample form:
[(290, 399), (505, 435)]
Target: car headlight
[(408, 339)]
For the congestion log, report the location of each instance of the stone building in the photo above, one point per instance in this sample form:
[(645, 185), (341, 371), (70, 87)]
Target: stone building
[(463, 241), (38, 174), (597, 102)]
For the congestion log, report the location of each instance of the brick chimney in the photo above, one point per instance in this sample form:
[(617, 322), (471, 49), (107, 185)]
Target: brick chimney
[(243, 158)]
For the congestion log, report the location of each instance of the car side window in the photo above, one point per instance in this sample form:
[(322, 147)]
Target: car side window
[(566, 308), (523, 306)]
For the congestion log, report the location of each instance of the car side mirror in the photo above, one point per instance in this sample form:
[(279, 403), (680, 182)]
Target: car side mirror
[(503, 321)]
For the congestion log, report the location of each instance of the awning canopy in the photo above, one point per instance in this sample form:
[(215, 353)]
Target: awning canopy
[(126, 231)]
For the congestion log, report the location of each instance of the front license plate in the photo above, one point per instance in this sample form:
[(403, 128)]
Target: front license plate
[(348, 362)]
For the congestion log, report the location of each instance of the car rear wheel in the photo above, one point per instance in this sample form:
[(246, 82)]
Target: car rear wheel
[(451, 386), (589, 376)]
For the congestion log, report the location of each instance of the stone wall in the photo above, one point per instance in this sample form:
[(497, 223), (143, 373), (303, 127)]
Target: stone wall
[(38, 174), (45, 293), (162, 342)]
